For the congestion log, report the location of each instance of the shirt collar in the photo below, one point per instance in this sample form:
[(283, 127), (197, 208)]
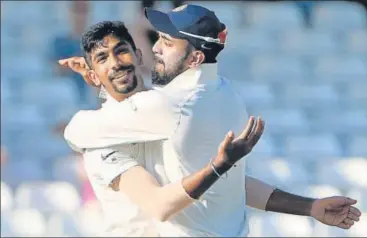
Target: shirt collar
[(194, 76)]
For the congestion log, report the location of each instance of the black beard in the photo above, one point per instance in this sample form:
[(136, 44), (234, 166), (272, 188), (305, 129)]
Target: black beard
[(166, 78), (160, 80), (128, 89)]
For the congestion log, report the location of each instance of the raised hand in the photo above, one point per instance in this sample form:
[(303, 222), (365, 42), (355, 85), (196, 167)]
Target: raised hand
[(233, 149), (78, 65)]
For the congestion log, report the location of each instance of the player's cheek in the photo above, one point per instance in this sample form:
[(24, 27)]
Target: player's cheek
[(127, 58), (104, 72)]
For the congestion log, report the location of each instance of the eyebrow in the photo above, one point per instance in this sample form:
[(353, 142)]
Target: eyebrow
[(103, 52), (99, 54), (166, 37), (121, 43)]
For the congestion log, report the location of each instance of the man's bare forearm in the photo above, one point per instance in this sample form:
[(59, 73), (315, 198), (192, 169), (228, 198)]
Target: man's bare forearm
[(162, 202), (198, 183), (283, 202)]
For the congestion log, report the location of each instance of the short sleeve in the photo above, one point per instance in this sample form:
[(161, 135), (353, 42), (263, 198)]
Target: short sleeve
[(114, 163)]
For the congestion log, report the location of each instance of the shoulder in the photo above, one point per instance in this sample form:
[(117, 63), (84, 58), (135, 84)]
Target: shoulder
[(159, 104), (80, 118), (84, 127), (214, 93), (71, 133), (213, 105), (154, 99)]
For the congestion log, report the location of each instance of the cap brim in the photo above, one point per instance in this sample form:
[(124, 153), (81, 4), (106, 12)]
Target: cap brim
[(161, 22)]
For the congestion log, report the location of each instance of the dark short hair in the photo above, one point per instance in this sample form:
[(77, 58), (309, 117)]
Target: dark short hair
[(94, 35)]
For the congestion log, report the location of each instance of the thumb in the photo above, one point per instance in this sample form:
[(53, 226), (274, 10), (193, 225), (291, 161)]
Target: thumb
[(350, 201), (343, 201), (227, 140)]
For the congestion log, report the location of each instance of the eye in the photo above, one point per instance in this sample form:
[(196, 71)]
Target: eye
[(168, 43), (101, 59), (122, 50)]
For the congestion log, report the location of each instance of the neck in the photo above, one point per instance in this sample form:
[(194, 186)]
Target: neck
[(121, 97)]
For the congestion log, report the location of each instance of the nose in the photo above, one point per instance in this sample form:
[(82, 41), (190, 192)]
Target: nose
[(116, 62), (157, 47)]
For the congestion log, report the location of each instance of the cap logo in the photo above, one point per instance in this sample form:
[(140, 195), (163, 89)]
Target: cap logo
[(180, 8), (222, 36)]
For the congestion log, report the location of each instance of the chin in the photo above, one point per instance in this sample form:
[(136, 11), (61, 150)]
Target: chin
[(126, 89)]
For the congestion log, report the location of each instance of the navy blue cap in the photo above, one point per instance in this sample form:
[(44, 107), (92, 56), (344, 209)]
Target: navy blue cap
[(197, 24)]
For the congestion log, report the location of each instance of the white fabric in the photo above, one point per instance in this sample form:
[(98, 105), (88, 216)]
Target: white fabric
[(122, 217), (102, 165), (190, 141)]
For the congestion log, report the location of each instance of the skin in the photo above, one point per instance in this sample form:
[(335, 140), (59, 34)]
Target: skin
[(116, 66), (334, 211), (172, 56)]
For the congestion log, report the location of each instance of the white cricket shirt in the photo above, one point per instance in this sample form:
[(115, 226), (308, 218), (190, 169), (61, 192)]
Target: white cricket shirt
[(122, 217), (192, 114)]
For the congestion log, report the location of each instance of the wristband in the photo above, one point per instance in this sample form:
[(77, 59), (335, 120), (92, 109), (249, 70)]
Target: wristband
[(215, 171)]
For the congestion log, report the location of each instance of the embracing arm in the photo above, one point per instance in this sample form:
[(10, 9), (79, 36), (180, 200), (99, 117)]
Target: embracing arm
[(263, 196), (144, 117), (162, 202), (124, 174), (334, 211), (257, 193), (283, 202)]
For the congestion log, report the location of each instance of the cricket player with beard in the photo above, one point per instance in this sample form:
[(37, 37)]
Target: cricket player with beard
[(189, 117)]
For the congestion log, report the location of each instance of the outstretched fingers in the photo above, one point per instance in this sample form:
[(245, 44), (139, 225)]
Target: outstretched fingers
[(257, 132), (248, 129)]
